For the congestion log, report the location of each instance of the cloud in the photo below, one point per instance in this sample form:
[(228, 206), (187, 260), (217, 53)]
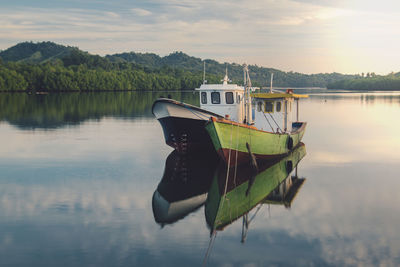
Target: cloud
[(141, 12), (281, 34)]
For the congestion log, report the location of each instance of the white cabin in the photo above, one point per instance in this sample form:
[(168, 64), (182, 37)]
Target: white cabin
[(224, 99), (278, 111), (272, 112), (275, 111)]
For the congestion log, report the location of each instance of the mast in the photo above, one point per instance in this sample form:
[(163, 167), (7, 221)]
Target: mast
[(272, 78), (247, 86), (226, 79), (204, 72)]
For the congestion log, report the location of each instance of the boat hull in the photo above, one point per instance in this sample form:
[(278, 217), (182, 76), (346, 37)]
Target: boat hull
[(230, 139), (183, 125)]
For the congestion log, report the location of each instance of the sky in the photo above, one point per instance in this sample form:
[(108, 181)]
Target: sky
[(308, 36)]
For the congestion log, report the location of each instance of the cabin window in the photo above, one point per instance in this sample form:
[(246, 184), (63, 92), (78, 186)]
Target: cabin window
[(215, 98), (203, 97), (259, 106), (278, 106), (229, 98), (238, 98), (269, 106)]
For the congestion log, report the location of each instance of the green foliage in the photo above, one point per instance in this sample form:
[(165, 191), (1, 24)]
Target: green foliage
[(35, 52), (390, 82), (11, 80), (57, 110), (260, 76), (88, 76), (47, 66)]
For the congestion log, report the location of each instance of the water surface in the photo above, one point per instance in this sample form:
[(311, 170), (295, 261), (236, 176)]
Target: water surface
[(78, 173)]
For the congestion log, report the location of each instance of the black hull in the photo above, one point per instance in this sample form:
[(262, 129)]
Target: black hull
[(186, 135)]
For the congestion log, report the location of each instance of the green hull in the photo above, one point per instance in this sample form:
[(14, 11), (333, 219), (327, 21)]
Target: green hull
[(230, 140), (245, 191)]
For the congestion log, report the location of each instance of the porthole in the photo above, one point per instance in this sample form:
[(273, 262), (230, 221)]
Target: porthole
[(259, 106), (203, 97), (215, 98), (229, 98), (278, 106), (269, 107)]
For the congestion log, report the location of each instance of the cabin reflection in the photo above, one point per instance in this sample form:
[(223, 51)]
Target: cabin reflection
[(285, 193), (184, 186), (236, 191)]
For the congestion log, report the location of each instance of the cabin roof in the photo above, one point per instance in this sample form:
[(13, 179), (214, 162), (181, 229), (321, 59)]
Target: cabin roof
[(221, 87), (276, 95)]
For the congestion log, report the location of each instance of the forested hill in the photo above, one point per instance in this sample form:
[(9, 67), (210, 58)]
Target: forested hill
[(48, 66), (29, 52), (390, 82), (259, 75)]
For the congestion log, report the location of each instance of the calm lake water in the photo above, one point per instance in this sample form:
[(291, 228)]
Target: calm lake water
[(78, 173)]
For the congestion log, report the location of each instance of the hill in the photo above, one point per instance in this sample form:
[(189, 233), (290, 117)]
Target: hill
[(29, 52), (259, 75), (175, 65)]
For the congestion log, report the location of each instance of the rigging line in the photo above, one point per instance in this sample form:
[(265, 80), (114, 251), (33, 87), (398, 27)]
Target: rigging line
[(194, 113), (268, 122), (210, 245), (275, 122), (227, 170), (237, 152), (197, 114), (254, 215)]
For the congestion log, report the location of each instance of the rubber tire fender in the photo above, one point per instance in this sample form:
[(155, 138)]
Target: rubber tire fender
[(290, 142)]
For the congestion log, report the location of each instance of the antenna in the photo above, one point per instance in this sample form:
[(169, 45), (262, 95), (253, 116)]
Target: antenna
[(226, 79), (204, 72), (272, 78)]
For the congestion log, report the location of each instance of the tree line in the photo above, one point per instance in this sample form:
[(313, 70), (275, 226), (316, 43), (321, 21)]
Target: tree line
[(59, 67), (389, 82), (80, 71), (31, 111)]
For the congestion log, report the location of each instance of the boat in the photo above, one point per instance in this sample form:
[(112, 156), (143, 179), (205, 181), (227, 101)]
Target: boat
[(267, 131), (183, 187), (234, 193), (184, 124)]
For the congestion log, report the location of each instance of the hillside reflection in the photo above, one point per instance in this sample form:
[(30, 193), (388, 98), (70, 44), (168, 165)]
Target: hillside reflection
[(61, 109)]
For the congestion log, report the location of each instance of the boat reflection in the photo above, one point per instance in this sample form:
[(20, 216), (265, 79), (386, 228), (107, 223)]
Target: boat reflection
[(236, 191), (184, 186), (192, 180)]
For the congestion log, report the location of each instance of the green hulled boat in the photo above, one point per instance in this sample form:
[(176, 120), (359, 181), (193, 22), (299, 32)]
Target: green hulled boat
[(230, 139), (232, 198), (268, 128)]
